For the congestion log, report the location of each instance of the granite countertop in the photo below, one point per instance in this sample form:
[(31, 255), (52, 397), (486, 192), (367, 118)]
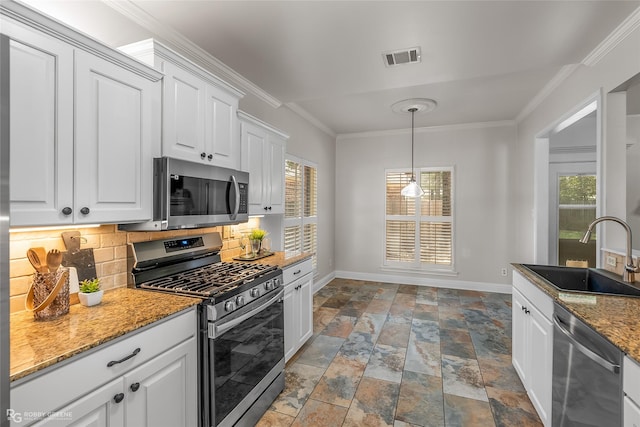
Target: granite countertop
[(278, 259), (36, 345), (617, 318)]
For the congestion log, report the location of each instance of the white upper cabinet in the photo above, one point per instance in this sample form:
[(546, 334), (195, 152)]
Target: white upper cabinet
[(263, 150), (199, 117), (114, 146), (83, 119), (41, 126)]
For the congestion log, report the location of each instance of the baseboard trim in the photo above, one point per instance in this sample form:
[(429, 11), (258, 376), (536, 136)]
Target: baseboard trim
[(320, 283), (423, 281)]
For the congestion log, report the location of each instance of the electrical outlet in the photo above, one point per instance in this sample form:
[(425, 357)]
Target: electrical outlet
[(503, 272), (611, 260)]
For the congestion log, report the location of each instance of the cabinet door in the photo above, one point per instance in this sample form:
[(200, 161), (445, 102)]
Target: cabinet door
[(255, 140), (275, 168), (520, 336), (222, 139), (305, 304), (164, 391), (541, 363), (103, 407), (41, 127), (113, 150), (291, 325), (183, 135)]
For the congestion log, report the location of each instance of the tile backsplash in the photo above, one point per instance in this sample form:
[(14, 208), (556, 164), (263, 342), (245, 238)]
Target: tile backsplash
[(109, 249)]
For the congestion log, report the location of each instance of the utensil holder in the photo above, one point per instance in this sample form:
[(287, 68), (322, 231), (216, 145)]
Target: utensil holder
[(48, 296)]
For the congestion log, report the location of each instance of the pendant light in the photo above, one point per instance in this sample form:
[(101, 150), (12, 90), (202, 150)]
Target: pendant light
[(413, 106), (412, 189)]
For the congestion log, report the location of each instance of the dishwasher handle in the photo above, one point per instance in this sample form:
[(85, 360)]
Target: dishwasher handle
[(612, 367)]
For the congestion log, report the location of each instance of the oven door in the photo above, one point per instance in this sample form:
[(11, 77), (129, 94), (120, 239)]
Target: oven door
[(246, 355)]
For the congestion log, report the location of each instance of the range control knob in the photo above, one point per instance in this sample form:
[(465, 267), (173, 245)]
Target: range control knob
[(240, 301), (255, 293), (268, 285), (276, 281), (229, 306)]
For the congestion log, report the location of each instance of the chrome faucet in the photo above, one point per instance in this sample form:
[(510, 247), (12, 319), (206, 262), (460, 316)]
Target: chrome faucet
[(629, 269)]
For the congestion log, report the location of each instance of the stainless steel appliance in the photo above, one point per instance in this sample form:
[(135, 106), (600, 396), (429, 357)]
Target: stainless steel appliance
[(4, 223), (194, 195), (587, 375), (241, 322)]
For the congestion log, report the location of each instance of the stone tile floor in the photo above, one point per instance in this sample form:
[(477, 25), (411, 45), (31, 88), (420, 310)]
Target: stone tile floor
[(401, 355)]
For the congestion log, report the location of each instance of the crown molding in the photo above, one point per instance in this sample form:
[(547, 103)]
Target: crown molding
[(622, 31), (547, 90), (428, 129), (56, 29), (176, 41), (310, 118), (246, 117)]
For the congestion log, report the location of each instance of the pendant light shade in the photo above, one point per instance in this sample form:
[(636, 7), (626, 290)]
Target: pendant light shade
[(412, 106)]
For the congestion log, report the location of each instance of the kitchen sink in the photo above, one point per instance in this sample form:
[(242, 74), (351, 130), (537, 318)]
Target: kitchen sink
[(589, 280)]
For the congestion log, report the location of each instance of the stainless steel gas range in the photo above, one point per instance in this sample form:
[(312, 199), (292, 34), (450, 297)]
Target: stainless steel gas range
[(241, 366)]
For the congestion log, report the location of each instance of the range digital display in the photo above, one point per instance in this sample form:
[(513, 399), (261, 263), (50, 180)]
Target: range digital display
[(181, 244)]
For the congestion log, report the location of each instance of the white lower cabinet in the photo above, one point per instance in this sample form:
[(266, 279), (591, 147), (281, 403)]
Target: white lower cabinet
[(532, 343), (148, 378), (631, 388), (298, 306)]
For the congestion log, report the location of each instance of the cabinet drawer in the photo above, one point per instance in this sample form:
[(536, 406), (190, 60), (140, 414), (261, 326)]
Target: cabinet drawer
[(538, 298), (85, 372), (631, 413), (295, 271), (631, 380)]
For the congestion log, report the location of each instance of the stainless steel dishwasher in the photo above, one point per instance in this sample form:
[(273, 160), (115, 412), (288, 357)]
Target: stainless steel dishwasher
[(587, 375)]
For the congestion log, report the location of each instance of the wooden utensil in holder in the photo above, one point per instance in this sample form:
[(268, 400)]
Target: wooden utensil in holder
[(48, 296)]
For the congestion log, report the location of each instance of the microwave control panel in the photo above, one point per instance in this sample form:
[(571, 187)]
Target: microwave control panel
[(244, 198)]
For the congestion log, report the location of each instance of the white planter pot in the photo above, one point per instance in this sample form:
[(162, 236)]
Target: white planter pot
[(93, 298)]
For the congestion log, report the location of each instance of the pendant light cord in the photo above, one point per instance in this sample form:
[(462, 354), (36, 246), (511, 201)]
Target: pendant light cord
[(413, 112)]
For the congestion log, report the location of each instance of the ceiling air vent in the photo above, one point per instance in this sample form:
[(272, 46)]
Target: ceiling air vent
[(403, 56)]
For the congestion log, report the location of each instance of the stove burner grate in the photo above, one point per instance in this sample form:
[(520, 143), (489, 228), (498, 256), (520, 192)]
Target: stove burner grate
[(209, 280)]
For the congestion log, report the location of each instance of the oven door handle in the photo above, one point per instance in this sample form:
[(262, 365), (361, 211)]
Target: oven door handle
[(224, 327)]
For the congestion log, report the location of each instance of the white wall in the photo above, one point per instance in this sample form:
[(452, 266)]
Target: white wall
[(310, 143), (480, 157), (633, 178), (616, 67)]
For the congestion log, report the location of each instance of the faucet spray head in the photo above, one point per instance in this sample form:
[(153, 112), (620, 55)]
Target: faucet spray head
[(587, 236)]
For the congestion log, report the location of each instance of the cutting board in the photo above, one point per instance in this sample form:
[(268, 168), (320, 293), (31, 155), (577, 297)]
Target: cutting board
[(83, 261)]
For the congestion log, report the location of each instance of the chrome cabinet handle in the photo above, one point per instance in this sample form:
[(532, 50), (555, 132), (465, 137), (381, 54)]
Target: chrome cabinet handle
[(612, 367), (115, 362)]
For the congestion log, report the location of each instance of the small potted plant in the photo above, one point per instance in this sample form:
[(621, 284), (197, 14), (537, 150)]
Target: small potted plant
[(90, 292), (256, 237)]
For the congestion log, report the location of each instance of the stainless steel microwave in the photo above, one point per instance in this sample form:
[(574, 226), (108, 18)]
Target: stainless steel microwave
[(194, 195)]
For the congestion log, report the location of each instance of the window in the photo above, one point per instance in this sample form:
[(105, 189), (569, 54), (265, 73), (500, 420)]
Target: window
[(301, 208), (419, 232)]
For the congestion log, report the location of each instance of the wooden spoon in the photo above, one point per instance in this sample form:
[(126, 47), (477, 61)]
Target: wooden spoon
[(54, 259), (33, 255)]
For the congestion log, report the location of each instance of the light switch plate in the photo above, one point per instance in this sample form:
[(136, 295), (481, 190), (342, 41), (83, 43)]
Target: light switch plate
[(611, 260)]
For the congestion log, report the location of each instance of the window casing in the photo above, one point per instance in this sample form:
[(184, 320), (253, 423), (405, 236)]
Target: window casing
[(301, 208), (419, 232)]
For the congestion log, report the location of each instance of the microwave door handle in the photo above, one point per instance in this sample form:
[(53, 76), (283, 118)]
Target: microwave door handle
[(236, 189)]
